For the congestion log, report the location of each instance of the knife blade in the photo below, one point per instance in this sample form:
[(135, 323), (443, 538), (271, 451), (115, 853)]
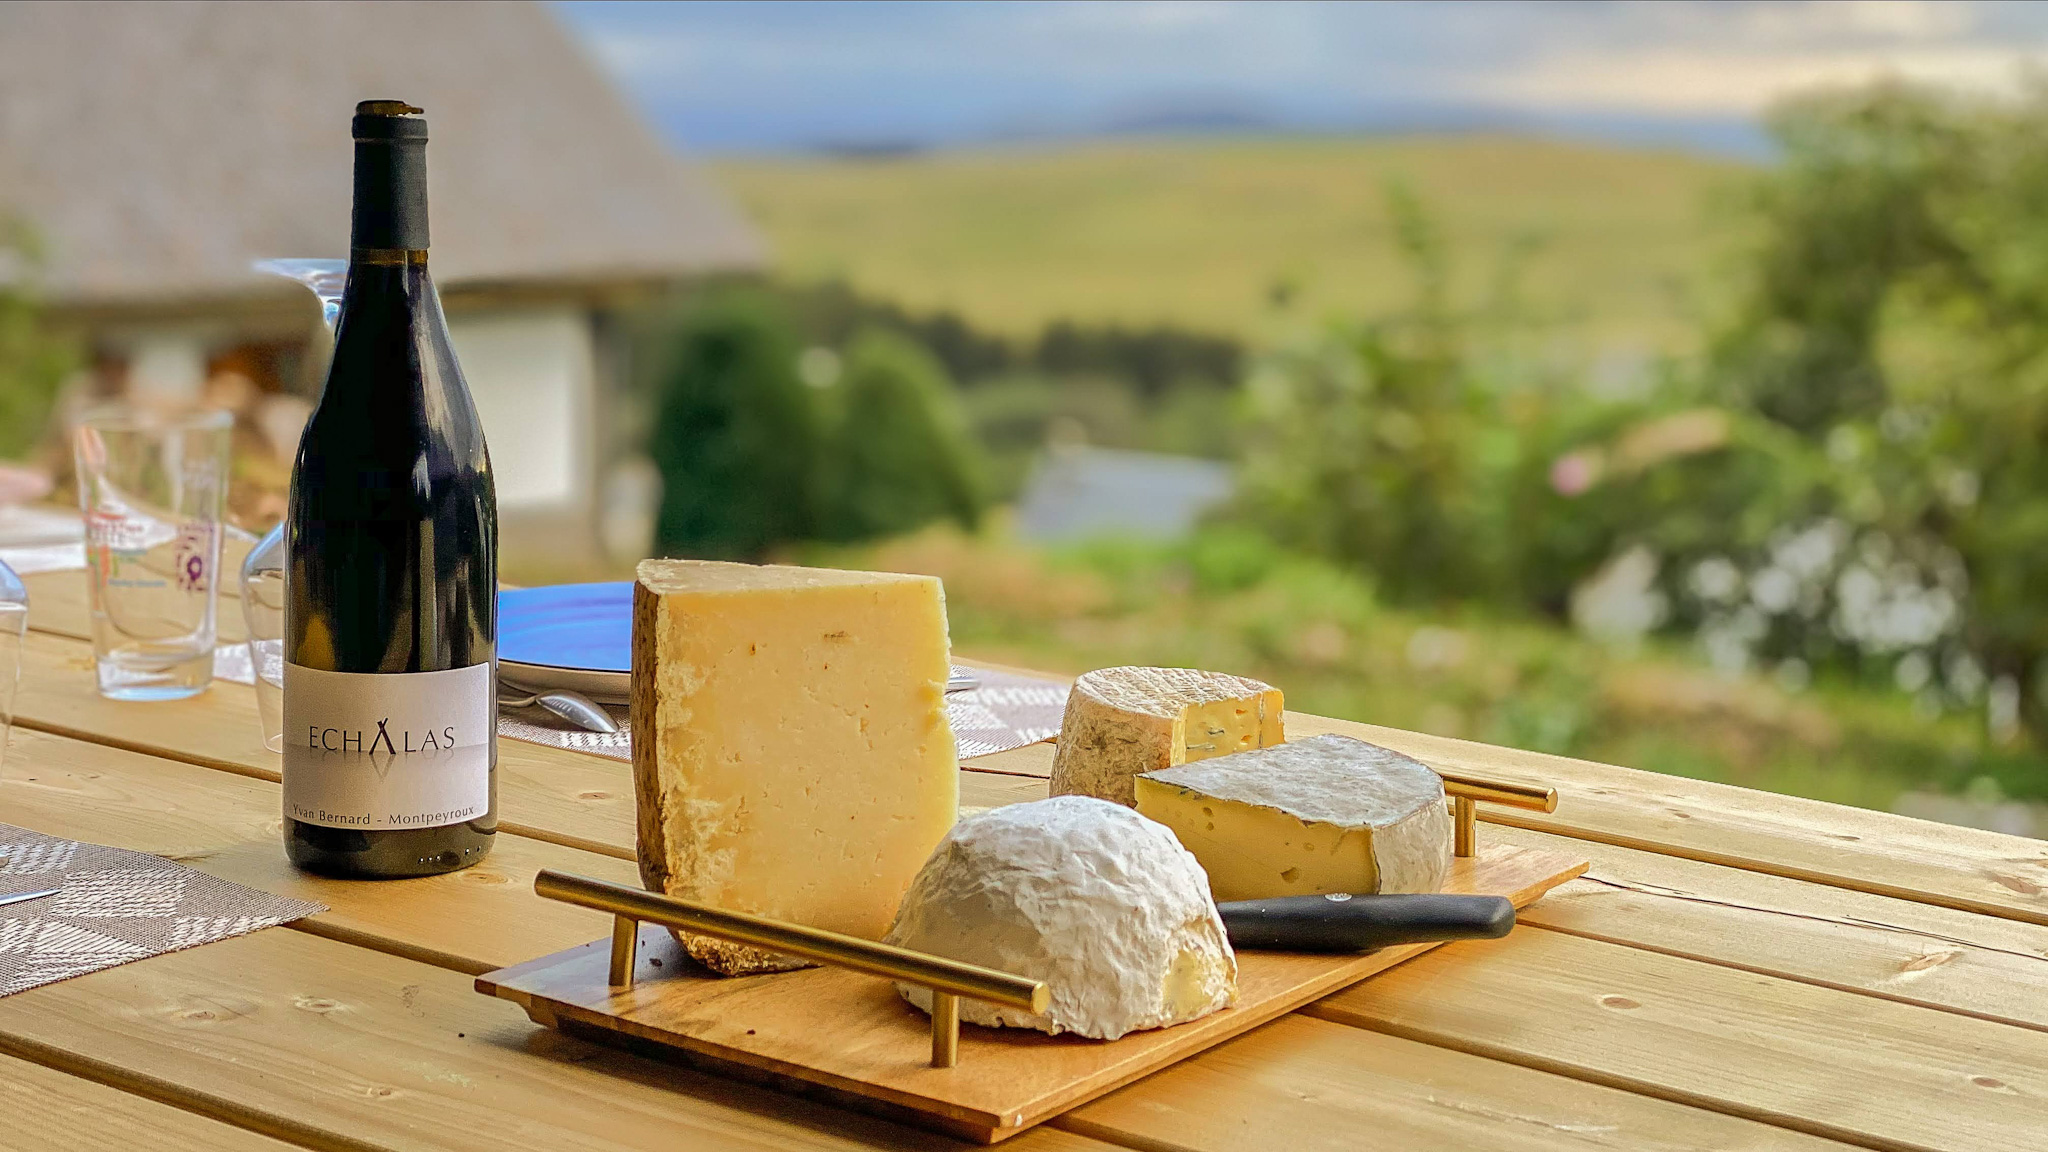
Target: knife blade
[(25, 897), (1340, 922)]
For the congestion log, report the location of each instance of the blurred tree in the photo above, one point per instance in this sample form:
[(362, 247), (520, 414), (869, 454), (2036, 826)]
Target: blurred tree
[(33, 361), (736, 431), (1898, 323), (1853, 476), (1154, 360), (1378, 444), (1863, 199), (900, 456)]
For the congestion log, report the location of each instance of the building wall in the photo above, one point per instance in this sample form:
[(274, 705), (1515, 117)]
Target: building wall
[(532, 373)]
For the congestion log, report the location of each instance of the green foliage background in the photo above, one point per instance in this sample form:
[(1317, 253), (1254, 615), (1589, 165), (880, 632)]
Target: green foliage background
[(900, 450), (33, 361), (736, 434), (1834, 469), (753, 456), (1859, 448)]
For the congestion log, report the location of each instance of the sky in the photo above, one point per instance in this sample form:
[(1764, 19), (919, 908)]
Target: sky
[(721, 76)]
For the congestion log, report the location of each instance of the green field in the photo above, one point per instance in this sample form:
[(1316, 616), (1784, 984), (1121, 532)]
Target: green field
[(1199, 232)]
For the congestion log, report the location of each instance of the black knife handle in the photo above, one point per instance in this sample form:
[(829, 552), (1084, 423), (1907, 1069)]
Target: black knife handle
[(1341, 923)]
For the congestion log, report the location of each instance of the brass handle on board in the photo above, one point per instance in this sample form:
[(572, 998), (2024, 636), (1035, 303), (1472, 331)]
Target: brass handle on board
[(1467, 792), (947, 979)]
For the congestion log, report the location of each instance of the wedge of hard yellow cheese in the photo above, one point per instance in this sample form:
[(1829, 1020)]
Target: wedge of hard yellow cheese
[(1124, 721), (790, 745), (1320, 815)]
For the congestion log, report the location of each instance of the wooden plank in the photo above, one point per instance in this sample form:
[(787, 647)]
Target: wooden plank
[(1981, 978), (47, 1111), (1901, 950), (335, 1047), (128, 788), (852, 1034), (1331, 1088), (549, 793), (471, 921), (229, 825), (228, 710), (1875, 852), (60, 603), (1963, 868), (68, 788), (1855, 848), (1834, 1064), (980, 789), (569, 798)]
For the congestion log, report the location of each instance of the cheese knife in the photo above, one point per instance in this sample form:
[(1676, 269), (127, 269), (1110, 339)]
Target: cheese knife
[(1341, 922)]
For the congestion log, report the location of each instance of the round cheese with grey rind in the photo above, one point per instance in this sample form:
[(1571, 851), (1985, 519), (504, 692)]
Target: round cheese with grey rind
[(1102, 904), (1319, 815)]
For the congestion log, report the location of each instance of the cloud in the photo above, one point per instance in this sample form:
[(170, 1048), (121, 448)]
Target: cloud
[(793, 74), (1693, 83)]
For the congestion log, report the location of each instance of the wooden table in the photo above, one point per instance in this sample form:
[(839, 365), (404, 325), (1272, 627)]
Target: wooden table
[(1739, 970)]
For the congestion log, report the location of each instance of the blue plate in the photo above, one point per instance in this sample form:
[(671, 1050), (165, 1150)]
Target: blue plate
[(574, 636)]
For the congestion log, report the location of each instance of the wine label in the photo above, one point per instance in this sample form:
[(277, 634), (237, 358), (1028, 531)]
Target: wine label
[(380, 751)]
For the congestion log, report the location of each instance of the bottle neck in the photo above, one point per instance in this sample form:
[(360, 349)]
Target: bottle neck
[(390, 213), (387, 257)]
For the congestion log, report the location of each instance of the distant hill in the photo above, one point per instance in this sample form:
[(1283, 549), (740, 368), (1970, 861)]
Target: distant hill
[(1199, 232)]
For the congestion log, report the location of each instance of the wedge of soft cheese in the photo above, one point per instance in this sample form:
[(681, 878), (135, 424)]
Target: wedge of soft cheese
[(1123, 721), (790, 746), (1322, 814), (1090, 897)]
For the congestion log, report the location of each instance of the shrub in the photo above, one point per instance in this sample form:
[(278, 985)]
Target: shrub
[(33, 362), (736, 432), (900, 454)]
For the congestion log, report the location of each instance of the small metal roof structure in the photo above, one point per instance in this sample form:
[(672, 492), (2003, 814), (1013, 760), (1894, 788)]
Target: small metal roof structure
[(158, 148)]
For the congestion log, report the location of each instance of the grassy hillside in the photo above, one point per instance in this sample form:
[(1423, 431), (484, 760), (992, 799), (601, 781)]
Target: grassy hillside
[(1198, 232)]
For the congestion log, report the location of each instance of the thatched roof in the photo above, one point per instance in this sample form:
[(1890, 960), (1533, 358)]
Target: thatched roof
[(158, 148)]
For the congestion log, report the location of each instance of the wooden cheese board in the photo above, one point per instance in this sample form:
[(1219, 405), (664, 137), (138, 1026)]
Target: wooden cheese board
[(850, 1038)]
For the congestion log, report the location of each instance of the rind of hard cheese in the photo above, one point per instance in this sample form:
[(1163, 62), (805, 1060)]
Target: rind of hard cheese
[(1123, 721), (791, 754), (1322, 814), (1092, 898)]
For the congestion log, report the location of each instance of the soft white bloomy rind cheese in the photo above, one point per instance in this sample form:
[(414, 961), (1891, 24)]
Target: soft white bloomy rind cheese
[(1123, 721), (790, 746), (1322, 814), (1090, 897)]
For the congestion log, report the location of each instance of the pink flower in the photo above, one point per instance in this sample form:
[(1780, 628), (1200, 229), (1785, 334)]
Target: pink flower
[(1574, 472)]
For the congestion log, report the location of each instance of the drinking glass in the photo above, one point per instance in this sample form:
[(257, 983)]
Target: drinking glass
[(13, 626), (152, 487), (263, 611)]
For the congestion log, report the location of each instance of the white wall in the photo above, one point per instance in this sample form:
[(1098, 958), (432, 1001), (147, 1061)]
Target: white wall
[(531, 372)]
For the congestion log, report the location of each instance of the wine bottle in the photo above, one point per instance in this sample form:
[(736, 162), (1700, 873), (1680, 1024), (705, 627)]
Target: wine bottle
[(390, 679)]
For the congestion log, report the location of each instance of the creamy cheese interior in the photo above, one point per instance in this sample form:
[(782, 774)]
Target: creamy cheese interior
[(1323, 814), (1252, 852)]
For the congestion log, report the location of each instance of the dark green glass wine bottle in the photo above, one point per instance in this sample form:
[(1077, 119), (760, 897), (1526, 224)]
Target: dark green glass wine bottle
[(390, 703)]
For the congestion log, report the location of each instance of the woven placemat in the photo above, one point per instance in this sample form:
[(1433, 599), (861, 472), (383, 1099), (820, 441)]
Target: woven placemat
[(113, 906)]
